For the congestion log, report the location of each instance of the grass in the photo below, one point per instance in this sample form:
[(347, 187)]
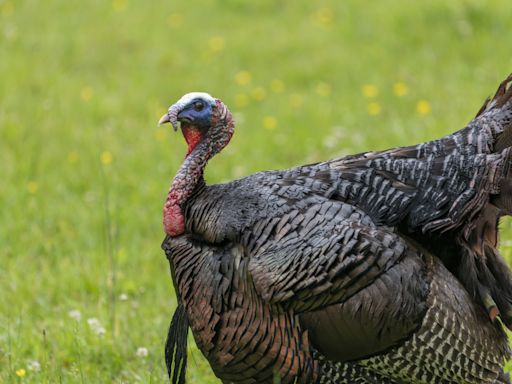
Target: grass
[(84, 169)]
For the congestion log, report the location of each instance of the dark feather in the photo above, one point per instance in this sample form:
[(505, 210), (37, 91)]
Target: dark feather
[(176, 346), (380, 267)]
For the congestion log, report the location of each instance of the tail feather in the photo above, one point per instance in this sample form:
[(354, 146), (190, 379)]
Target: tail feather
[(500, 107), (176, 346), (494, 278), (501, 97), (483, 108), (454, 188)]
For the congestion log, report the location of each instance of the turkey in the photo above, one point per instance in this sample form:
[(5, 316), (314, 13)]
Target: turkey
[(381, 267)]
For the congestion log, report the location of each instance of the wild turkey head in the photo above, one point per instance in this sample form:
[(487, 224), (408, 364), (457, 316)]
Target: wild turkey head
[(207, 126), (201, 117)]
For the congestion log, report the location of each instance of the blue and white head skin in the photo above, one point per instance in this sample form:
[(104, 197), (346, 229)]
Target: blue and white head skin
[(193, 107)]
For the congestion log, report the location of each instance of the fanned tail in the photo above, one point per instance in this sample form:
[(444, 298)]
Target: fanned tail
[(176, 346), (449, 194)]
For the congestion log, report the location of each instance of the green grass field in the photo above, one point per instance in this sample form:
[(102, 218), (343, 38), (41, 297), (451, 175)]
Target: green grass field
[(84, 169)]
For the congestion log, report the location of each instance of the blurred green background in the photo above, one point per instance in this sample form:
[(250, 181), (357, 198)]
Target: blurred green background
[(85, 293)]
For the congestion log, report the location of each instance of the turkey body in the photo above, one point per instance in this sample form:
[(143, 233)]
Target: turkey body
[(374, 268), (265, 301)]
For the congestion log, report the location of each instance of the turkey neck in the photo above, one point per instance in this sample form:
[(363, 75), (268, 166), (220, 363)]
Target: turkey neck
[(189, 176)]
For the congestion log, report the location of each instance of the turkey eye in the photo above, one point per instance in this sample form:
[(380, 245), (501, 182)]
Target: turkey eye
[(198, 106)]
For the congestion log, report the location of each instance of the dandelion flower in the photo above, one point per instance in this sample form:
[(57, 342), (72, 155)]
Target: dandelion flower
[(87, 93), (296, 100), (369, 91), (119, 5), (269, 122), (423, 107), (258, 93), (73, 157), (7, 9), (175, 20), (21, 372), (75, 314), (32, 187), (400, 89), (323, 16), (142, 352), (373, 109), (243, 78), (216, 43), (323, 89), (277, 86), (106, 157), (34, 366)]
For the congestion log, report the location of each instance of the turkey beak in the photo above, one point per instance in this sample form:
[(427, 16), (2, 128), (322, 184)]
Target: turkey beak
[(167, 119), (172, 116), (164, 119)]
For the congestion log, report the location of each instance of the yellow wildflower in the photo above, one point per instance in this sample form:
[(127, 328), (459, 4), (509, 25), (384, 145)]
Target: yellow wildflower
[(277, 86), (296, 100), (106, 157), (369, 91), (258, 93), (423, 107), (119, 5), (400, 89), (72, 157), (323, 16), (216, 43), (323, 89), (373, 108), (269, 122), (87, 93), (7, 9), (243, 78), (241, 100), (21, 372), (32, 187), (175, 20)]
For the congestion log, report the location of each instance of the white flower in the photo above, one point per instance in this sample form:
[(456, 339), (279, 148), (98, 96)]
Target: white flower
[(93, 322), (75, 314), (142, 352), (96, 326), (123, 297), (33, 365)]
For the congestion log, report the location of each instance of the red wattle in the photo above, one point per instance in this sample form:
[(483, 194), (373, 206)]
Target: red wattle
[(192, 136)]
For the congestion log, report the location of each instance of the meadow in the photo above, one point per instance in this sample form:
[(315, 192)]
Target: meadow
[(85, 292)]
